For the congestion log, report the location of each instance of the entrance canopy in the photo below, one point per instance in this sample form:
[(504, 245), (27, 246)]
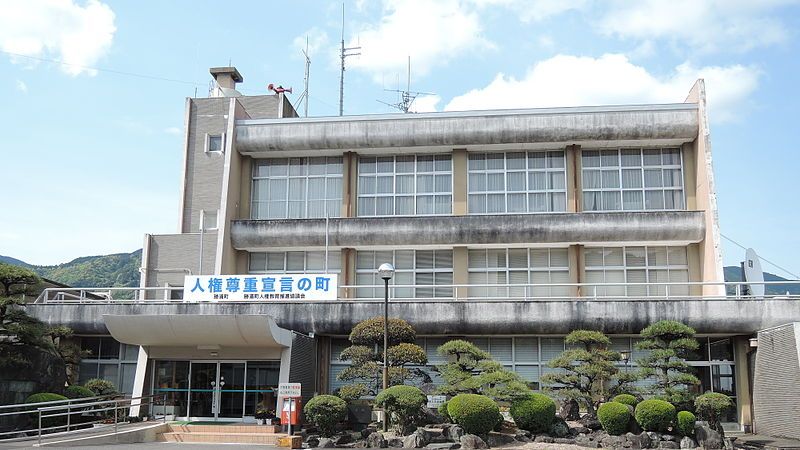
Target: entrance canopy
[(192, 330)]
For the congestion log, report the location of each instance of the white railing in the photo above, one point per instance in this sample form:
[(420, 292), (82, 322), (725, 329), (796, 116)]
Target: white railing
[(459, 292)]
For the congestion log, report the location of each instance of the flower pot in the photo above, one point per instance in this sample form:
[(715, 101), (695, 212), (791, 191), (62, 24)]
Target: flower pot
[(260, 421)]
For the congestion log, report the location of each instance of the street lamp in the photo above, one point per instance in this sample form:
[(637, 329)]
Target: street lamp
[(625, 356), (386, 271)]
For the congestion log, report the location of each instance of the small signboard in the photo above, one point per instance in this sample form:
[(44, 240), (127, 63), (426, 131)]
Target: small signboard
[(261, 287), (435, 401), (289, 390)]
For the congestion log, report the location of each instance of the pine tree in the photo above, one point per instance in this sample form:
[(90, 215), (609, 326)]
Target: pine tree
[(669, 343)]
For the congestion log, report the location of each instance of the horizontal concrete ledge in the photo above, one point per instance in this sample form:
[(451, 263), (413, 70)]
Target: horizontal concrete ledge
[(466, 317), (560, 228), (673, 122)]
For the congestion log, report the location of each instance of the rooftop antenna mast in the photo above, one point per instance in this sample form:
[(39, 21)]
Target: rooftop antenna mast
[(407, 96), (304, 95), (344, 53)]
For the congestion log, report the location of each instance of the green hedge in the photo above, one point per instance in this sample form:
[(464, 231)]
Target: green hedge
[(626, 399), (476, 414), (326, 411), (44, 397), (48, 422), (404, 405), (534, 413), (686, 422), (614, 417), (76, 391), (655, 415), (101, 387)]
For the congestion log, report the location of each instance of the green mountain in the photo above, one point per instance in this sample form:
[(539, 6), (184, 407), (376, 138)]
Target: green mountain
[(734, 273), (117, 270)]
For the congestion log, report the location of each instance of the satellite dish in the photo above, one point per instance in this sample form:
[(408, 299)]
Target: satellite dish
[(753, 274)]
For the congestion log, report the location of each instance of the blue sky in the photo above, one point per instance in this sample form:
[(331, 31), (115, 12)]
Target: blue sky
[(91, 159)]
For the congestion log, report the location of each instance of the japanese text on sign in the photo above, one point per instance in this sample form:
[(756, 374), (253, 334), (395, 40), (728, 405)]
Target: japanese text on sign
[(253, 287)]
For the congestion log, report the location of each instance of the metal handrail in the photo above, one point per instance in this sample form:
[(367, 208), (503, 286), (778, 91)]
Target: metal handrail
[(581, 291), (52, 402)]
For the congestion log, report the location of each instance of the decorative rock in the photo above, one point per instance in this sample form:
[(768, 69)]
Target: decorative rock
[(444, 446), (543, 438), (569, 441), (342, 439), (591, 422), (357, 436), (312, 440), (638, 441), (559, 428), (708, 438), (472, 442), (326, 443), (570, 410), (668, 444), (376, 440), (688, 443), (414, 440), (522, 436), (495, 439), (613, 442), (434, 435), (395, 441), (455, 433), (654, 437), (669, 437), (580, 429), (585, 440)]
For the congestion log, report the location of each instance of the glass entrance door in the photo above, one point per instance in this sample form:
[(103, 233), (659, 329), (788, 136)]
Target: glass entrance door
[(231, 390), (203, 389)]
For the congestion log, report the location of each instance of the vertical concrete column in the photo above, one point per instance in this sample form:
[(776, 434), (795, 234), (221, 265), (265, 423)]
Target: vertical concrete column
[(283, 374), (246, 188), (460, 182), (348, 276), (349, 184), (744, 402), (694, 262), (138, 380), (576, 268), (689, 176), (577, 178), (571, 177), (460, 271), (324, 358)]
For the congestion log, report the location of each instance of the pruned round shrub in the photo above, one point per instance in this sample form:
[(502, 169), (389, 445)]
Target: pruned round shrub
[(711, 406), (614, 417), (369, 331), (534, 413), (403, 405), (655, 415), (326, 411), (443, 411), (44, 397), (76, 391), (626, 399), (101, 387), (686, 422), (476, 414)]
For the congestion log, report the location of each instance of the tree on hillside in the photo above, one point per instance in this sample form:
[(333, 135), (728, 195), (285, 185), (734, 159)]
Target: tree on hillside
[(585, 369), (366, 355), (14, 279), (670, 343), (473, 371)]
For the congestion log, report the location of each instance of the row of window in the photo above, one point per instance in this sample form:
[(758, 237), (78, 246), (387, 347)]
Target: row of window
[(498, 273), (110, 360), (497, 183)]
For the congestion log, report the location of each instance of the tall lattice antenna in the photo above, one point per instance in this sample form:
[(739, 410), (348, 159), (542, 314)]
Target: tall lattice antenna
[(407, 96), (304, 95), (344, 53)]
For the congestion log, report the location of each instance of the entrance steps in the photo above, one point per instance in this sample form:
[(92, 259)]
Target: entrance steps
[(222, 434)]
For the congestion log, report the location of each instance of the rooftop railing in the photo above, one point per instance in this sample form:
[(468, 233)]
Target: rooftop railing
[(461, 292)]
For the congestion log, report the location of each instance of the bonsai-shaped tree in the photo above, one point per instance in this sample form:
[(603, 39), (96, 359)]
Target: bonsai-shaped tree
[(19, 332), (669, 343), (711, 406), (470, 370), (366, 355), (69, 352), (584, 369)]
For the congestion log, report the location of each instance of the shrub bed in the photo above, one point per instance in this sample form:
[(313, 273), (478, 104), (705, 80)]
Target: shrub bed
[(48, 422), (76, 391), (686, 422), (534, 413), (476, 414), (655, 415), (711, 406), (326, 411), (403, 405), (614, 417), (101, 387), (625, 399)]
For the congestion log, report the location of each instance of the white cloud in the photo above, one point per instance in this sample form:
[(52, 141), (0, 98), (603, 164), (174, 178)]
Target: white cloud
[(565, 80), (58, 29), (535, 10), (317, 40), (704, 25), (430, 32), (425, 103), (22, 87)]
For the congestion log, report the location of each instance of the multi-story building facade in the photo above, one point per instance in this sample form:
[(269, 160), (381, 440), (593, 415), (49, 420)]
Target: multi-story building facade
[(510, 228)]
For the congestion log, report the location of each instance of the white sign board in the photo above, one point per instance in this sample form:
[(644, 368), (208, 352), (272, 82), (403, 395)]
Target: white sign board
[(435, 401), (289, 389), (260, 287)]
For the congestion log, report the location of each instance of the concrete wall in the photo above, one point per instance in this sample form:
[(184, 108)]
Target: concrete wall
[(776, 383), (624, 316), (169, 257)]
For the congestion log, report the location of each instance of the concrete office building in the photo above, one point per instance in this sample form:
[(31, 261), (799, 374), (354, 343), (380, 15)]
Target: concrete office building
[(510, 228)]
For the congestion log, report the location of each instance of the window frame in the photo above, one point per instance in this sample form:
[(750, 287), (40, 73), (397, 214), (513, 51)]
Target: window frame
[(647, 268), (207, 145), (528, 269), (306, 177), (333, 255), (437, 292)]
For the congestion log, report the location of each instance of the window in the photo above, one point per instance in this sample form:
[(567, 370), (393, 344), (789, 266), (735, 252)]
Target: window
[(519, 266), (632, 179), (297, 188), (412, 267), (637, 265), (405, 185), (109, 360), (517, 182), (215, 143), (295, 262), (209, 219)]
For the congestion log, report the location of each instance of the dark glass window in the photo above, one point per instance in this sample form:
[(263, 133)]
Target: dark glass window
[(721, 349)]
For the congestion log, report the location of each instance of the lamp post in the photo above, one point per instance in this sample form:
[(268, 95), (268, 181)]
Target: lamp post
[(625, 355), (386, 271)]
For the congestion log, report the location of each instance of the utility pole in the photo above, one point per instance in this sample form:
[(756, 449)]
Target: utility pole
[(344, 53)]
